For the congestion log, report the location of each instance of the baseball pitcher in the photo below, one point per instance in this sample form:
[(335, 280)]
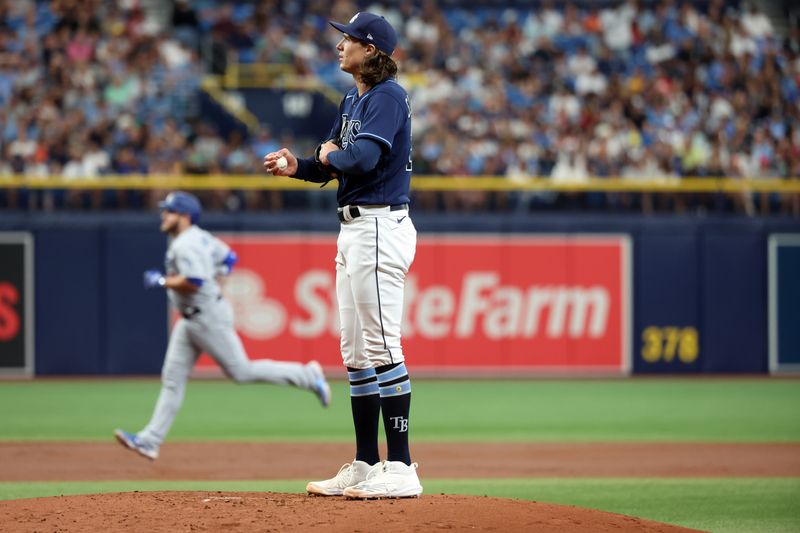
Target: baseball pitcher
[(369, 153)]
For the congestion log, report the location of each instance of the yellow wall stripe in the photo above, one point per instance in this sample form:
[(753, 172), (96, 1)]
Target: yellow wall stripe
[(420, 183)]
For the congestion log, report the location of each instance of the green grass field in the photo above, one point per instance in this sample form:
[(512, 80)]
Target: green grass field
[(663, 410)]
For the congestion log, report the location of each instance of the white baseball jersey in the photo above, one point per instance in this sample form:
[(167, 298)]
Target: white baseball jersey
[(197, 255)]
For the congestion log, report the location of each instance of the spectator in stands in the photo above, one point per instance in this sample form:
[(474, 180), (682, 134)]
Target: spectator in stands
[(679, 84), (755, 22), (185, 24)]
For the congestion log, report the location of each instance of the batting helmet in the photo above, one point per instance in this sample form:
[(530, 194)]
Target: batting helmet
[(183, 203)]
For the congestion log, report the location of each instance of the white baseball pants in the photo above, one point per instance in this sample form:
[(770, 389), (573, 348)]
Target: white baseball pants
[(212, 331), (374, 254)]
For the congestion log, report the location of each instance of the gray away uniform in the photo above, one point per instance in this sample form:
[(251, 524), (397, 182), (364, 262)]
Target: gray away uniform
[(207, 326)]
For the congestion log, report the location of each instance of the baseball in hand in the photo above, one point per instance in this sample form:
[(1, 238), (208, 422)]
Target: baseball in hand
[(281, 163)]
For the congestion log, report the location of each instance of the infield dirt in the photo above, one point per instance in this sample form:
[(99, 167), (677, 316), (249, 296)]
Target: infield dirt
[(239, 511)]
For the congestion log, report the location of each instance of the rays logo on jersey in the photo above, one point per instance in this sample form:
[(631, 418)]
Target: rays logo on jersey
[(350, 129)]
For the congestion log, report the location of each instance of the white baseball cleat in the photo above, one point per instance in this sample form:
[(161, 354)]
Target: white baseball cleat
[(319, 384), (131, 441), (390, 479), (350, 474)]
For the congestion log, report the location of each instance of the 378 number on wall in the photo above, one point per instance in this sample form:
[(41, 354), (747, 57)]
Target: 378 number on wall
[(668, 342)]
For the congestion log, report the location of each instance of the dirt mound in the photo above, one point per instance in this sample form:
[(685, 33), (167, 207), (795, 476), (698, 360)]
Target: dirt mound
[(267, 511)]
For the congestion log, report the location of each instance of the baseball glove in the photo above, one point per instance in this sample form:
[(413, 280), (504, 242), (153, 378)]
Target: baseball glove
[(328, 172)]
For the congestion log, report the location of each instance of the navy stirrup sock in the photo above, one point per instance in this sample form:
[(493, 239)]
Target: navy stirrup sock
[(366, 405), (395, 401)]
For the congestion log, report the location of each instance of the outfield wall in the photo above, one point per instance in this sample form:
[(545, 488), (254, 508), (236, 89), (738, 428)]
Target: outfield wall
[(574, 294)]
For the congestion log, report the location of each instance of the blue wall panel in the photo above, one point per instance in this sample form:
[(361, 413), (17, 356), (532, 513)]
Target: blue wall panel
[(787, 271), (136, 318), (733, 291), (666, 300), (70, 326)]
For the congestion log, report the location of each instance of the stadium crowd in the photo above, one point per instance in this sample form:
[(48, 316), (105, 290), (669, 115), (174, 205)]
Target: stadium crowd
[(565, 91)]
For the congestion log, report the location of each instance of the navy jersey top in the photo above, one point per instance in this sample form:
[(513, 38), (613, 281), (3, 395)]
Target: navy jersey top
[(383, 115)]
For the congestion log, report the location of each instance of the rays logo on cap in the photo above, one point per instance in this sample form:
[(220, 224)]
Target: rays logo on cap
[(354, 17)]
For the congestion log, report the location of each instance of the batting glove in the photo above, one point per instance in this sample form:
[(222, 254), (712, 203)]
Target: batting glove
[(226, 267), (153, 278)]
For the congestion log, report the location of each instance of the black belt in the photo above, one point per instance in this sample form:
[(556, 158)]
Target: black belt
[(354, 212), (191, 311)]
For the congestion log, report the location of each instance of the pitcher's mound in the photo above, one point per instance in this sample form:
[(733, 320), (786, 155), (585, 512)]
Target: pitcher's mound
[(267, 511)]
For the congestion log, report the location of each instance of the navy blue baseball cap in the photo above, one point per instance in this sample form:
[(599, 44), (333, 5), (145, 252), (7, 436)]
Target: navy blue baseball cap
[(183, 203), (370, 28)]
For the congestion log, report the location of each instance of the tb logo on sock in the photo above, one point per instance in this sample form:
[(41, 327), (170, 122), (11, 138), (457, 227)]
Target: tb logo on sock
[(400, 423)]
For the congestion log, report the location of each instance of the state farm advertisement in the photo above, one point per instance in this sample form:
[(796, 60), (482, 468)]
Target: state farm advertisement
[(501, 302)]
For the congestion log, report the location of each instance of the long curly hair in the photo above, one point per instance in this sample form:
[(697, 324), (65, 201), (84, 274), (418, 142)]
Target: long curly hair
[(377, 68)]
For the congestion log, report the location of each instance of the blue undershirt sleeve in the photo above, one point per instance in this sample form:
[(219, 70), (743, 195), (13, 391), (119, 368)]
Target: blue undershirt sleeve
[(307, 171), (360, 157)]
